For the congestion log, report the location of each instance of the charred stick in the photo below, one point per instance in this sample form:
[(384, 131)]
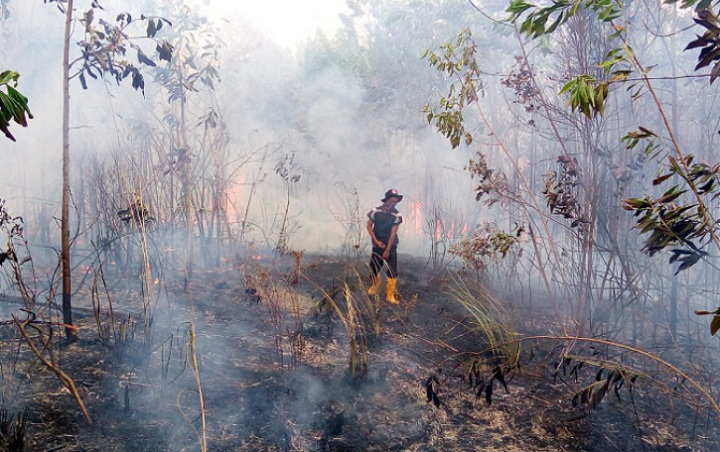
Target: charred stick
[(64, 378)]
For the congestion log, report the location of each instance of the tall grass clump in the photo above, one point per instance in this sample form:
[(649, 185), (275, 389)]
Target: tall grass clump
[(489, 317)]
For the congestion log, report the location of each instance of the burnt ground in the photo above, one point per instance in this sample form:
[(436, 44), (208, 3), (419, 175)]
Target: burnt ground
[(273, 348)]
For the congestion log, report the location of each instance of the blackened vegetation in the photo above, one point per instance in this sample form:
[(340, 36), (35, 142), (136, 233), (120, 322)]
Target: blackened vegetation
[(332, 425), (137, 214), (607, 378), (520, 79), (570, 371), (13, 227), (321, 321), (497, 375), (482, 387), (431, 387), (254, 404), (561, 191), (251, 292), (491, 184), (12, 431), (252, 295), (6, 255)]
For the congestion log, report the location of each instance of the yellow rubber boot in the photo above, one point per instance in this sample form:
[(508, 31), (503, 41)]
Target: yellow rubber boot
[(391, 288), (372, 290)]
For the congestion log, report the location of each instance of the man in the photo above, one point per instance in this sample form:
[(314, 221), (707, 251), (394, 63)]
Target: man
[(382, 225)]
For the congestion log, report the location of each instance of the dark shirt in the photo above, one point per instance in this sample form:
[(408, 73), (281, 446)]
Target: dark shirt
[(383, 221)]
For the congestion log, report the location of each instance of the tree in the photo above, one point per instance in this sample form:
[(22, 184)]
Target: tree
[(576, 246), (193, 73), (680, 219), (104, 51)]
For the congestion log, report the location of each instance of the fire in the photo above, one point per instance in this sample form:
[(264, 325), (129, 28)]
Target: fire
[(450, 229), (415, 217), (442, 228)]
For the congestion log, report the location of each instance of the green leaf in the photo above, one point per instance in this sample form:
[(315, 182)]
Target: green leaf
[(635, 204), (703, 5), (8, 76), (601, 94), (13, 105), (555, 24), (568, 86), (669, 196), (516, 9)]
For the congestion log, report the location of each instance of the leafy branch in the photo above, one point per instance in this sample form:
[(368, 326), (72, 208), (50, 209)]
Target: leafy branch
[(105, 46), (670, 221), (13, 105), (557, 13), (452, 63)]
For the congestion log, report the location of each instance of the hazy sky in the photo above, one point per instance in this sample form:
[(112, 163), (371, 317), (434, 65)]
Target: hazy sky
[(287, 22)]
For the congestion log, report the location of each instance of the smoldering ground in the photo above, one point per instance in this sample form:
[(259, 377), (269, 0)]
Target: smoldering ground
[(273, 369)]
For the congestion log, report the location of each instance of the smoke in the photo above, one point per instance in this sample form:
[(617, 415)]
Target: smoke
[(288, 151), (273, 104)]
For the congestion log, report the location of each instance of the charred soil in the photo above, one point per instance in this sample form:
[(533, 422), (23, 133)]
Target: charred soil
[(274, 356)]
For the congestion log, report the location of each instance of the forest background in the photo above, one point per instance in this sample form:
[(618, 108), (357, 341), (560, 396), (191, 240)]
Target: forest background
[(528, 150)]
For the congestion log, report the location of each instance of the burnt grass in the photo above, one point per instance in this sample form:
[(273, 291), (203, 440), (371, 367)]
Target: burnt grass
[(273, 359)]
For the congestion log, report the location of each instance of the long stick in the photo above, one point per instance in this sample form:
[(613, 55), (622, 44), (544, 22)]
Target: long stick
[(65, 378), (196, 372)]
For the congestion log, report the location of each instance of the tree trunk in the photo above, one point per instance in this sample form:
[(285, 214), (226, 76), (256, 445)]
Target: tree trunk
[(186, 179), (65, 218)]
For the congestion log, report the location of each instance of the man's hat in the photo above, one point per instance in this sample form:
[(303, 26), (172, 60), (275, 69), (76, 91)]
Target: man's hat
[(392, 193)]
